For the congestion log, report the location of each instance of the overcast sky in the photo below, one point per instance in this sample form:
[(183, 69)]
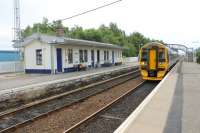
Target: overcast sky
[(173, 21)]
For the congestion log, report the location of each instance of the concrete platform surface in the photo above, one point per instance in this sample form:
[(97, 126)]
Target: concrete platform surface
[(174, 108), (16, 80)]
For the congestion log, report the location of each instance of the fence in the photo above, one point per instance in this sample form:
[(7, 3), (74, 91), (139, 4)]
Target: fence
[(131, 59), (11, 66)]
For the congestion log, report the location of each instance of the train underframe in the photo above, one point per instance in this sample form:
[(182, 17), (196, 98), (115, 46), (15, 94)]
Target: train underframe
[(152, 74)]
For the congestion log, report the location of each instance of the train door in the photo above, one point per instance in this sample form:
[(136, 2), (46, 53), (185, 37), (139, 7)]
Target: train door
[(152, 59)]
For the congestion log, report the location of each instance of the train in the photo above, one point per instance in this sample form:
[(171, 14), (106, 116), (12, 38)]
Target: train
[(155, 59)]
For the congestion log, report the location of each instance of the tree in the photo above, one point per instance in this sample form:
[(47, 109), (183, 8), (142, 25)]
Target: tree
[(198, 55), (138, 40), (27, 32), (106, 34), (77, 32)]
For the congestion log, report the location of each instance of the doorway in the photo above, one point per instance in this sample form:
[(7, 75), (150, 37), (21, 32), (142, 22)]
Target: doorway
[(98, 56), (59, 59), (152, 60), (92, 57), (113, 57)]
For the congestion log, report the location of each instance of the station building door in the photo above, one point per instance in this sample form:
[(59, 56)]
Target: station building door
[(59, 59)]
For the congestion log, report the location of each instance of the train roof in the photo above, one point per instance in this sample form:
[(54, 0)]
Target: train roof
[(151, 44), (160, 45)]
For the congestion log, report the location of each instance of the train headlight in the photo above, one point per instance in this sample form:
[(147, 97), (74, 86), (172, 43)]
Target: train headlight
[(161, 63), (144, 63)]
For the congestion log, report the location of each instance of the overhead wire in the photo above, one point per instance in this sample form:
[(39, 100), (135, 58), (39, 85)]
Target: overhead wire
[(91, 10)]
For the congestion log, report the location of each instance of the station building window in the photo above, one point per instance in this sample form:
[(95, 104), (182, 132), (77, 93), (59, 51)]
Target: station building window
[(66, 55), (70, 56), (39, 56), (83, 56), (106, 55)]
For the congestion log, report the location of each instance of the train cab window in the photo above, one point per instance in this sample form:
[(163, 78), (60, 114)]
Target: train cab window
[(144, 56), (167, 56), (161, 56)]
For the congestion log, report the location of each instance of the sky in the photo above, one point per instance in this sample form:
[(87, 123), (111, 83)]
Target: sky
[(173, 21)]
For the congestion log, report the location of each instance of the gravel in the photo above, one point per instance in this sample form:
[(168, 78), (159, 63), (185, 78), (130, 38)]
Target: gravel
[(109, 120), (60, 102)]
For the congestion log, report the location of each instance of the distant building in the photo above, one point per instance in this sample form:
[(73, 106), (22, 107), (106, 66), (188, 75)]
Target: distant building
[(53, 54), (9, 55)]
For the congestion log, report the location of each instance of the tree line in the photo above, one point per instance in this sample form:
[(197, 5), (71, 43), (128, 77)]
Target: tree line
[(198, 55), (106, 34)]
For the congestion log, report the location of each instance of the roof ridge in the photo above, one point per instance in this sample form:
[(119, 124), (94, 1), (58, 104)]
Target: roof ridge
[(51, 39)]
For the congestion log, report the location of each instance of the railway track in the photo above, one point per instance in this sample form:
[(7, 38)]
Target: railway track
[(108, 118), (12, 120)]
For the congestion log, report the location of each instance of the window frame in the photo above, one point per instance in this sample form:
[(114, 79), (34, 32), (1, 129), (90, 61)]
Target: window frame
[(81, 56), (105, 55), (70, 56), (142, 55), (38, 57), (163, 58), (85, 55)]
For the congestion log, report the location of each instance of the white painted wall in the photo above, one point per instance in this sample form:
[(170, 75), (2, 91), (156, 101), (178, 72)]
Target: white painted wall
[(49, 55), (30, 55), (76, 49), (11, 66)]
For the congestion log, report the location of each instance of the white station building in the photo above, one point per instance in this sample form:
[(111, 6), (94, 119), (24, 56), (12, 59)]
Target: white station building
[(54, 54)]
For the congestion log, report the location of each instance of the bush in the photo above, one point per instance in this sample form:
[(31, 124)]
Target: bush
[(198, 55)]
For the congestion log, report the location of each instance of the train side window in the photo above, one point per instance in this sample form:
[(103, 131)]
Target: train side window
[(167, 56), (161, 56), (144, 56)]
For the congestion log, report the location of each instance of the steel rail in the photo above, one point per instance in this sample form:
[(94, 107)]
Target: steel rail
[(92, 116), (37, 103)]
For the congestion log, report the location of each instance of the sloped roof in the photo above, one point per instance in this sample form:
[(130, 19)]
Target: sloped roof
[(55, 40), (150, 44)]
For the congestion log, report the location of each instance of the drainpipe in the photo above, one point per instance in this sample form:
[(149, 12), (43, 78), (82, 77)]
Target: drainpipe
[(52, 60)]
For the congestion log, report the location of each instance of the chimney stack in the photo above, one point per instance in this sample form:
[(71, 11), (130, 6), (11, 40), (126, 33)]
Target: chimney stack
[(60, 32)]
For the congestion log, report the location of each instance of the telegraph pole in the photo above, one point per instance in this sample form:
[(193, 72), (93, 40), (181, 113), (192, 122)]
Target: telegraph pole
[(17, 32), (17, 25)]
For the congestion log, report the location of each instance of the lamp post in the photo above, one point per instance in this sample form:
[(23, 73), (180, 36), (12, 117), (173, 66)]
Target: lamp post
[(194, 50)]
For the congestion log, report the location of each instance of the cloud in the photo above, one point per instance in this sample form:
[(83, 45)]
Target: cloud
[(174, 21)]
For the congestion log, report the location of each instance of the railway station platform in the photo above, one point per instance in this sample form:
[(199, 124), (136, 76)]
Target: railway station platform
[(20, 89), (16, 80), (172, 107)]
